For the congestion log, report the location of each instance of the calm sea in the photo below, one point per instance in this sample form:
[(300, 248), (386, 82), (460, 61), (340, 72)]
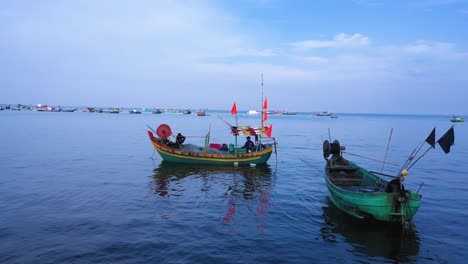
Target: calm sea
[(88, 188)]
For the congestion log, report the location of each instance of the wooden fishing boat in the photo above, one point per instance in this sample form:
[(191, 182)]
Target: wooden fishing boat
[(135, 111), (218, 154), (365, 195), (157, 111), (457, 119), (69, 109), (210, 154), (323, 113), (362, 193), (112, 110)]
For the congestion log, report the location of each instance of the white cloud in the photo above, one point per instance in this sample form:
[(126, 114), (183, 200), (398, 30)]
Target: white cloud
[(341, 40), (314, 59), (417, 48), (442, 51)]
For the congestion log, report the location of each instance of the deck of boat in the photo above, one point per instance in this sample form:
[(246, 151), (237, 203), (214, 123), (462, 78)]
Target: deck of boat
[(342, 175)]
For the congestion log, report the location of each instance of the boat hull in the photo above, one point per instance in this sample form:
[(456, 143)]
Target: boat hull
[(178, 155), (457, 119), (368, 200)]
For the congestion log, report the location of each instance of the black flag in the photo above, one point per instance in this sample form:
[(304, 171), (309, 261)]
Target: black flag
[(447, 140), (431, 138)]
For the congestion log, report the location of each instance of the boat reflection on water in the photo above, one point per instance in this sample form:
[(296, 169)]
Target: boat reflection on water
[(253, 179), (374, 239), (237, 189)]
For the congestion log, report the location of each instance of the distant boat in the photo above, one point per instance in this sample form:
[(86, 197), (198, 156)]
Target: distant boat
[(187, 111), (69, 109), (253, 112), (89, 110), (457, 119), (41, 108), (157, 111), (174, 111), (280, 112), (201, 113), (325, 113), (135, 111), (6, 107), (275, 112), (111, 111)]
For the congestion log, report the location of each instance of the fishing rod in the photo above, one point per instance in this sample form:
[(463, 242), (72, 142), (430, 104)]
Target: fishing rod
[(422, 155), (227, 123), (412, 155), (151, 129), (386, 151), (384, 174), (429, 139)]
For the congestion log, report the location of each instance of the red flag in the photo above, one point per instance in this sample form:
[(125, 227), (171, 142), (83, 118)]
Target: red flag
[(268, 131), (265, 104), (234, 109), (265, 115)]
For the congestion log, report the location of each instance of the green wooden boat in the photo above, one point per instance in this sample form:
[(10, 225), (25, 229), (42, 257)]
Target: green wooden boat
[(457, 119), (210, 154), (362, 193)]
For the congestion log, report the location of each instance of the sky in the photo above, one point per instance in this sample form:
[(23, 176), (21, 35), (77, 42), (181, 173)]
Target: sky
[(343, 56)]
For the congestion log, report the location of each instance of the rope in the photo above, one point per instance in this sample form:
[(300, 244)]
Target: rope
[(393, 164)]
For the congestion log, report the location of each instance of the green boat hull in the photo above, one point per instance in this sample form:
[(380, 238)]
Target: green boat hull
[(457, 119), (367, 199)]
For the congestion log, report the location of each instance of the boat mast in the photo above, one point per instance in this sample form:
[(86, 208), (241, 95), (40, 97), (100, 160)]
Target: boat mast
[(261, 103), (261, 116)]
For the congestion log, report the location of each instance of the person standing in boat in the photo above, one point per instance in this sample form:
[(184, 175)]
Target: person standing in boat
[(396, 185), (249, 145), (180, 139)]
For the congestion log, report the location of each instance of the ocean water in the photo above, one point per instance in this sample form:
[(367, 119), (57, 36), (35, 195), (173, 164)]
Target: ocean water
[(88, 188)]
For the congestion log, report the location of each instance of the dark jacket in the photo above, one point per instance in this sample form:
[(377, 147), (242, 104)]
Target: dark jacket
[(249, 145)]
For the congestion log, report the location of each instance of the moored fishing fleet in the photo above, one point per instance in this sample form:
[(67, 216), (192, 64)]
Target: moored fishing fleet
[(359, 192)]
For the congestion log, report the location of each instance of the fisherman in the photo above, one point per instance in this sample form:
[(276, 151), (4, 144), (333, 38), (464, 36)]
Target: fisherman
[(396, 185), (249, 145), (180, 139)]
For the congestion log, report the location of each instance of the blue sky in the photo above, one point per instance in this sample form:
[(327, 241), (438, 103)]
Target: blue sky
[(355, 56)]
